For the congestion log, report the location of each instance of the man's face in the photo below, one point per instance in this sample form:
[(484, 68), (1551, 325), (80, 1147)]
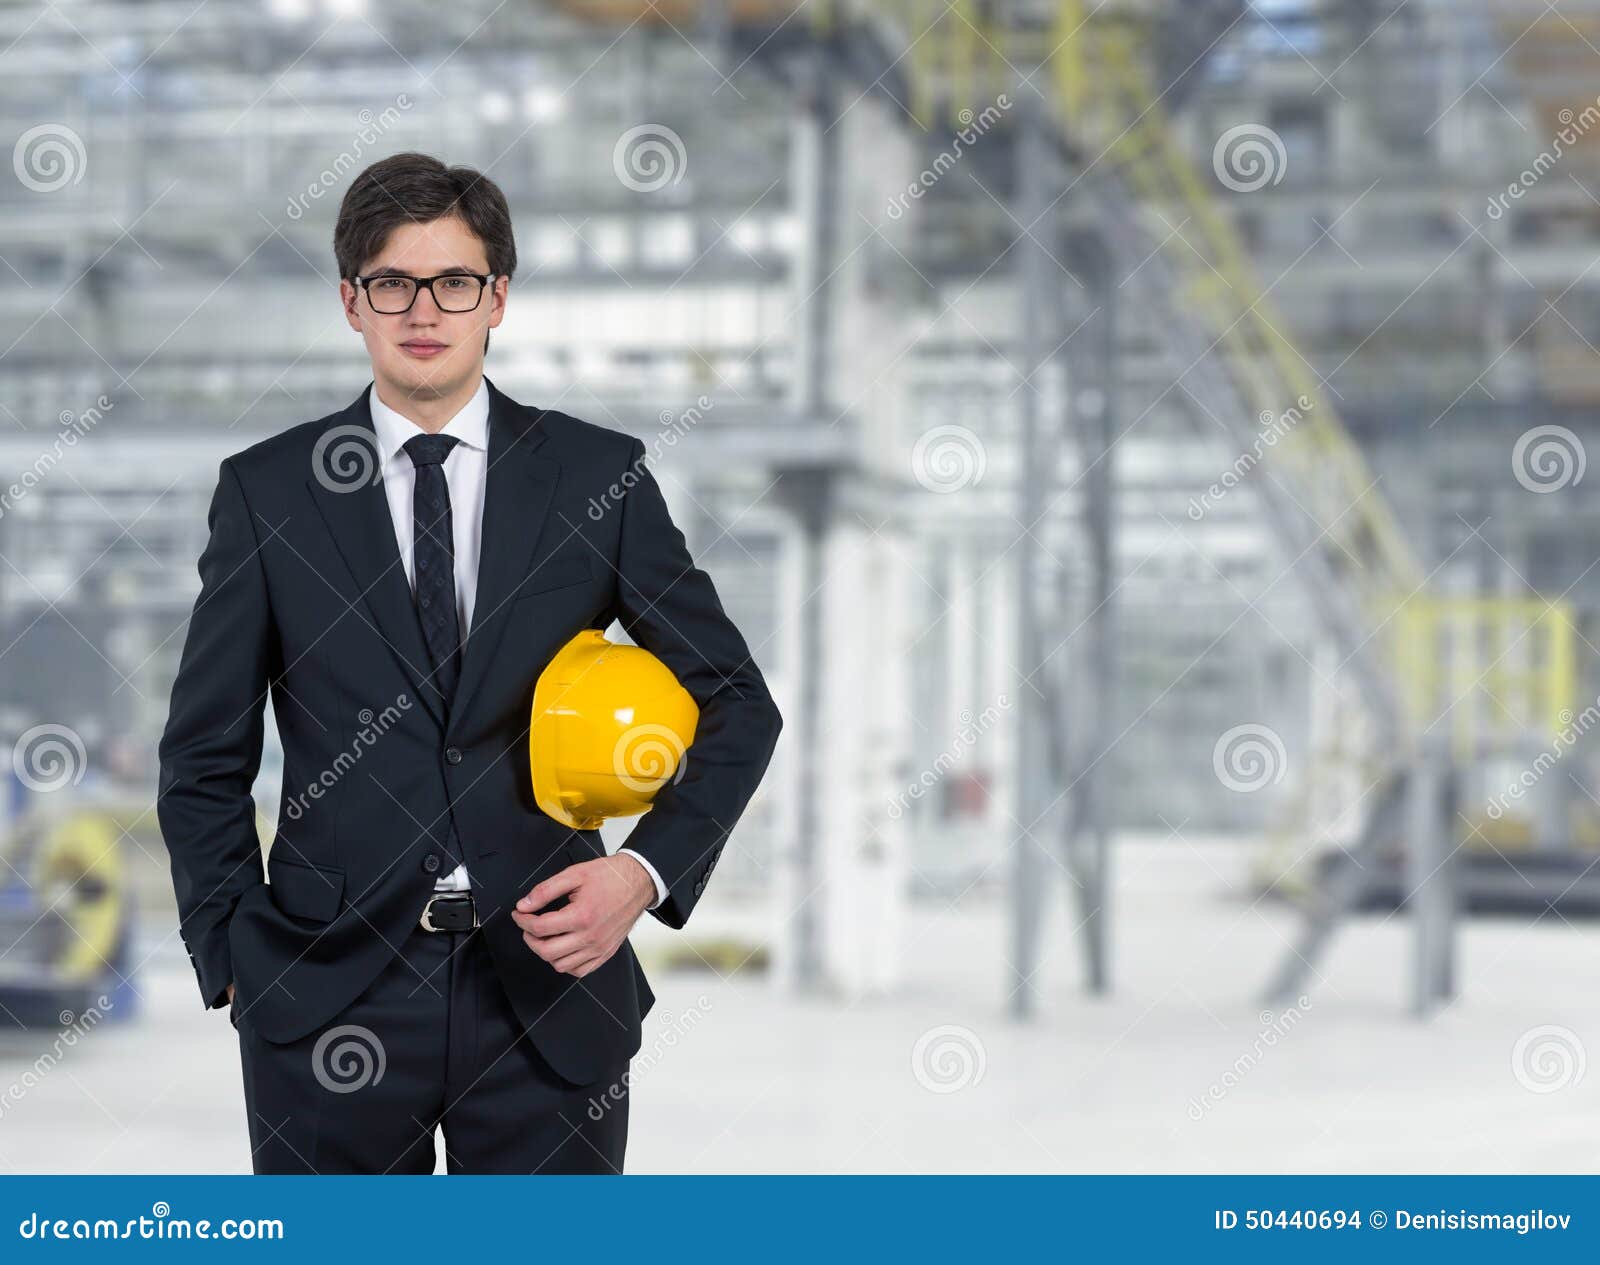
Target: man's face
[(427, 352)]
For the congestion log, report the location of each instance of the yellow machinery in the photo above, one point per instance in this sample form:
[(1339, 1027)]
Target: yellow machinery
[(66, 912), (80, 874)]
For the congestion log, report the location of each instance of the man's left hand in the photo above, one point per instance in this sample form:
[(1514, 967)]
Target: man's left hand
[(604, 899)]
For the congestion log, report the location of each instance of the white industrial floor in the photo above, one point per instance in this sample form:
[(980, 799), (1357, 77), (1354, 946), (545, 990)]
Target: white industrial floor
[(753, 1081)]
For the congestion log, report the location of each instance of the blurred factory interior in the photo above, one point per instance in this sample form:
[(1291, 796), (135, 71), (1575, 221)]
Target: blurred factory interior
[(1143, 443)]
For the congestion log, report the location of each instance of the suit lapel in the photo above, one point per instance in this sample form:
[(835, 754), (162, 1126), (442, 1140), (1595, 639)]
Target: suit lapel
[(517, 496), (516, 501), (357, 515)]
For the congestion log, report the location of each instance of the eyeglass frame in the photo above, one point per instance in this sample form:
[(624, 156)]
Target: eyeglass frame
[(424, 283)]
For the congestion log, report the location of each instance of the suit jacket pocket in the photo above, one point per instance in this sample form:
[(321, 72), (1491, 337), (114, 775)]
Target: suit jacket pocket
[(305, 890), (556, 574)]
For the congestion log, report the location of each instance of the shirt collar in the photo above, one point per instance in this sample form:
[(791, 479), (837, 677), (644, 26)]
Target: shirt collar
[(470, 425)]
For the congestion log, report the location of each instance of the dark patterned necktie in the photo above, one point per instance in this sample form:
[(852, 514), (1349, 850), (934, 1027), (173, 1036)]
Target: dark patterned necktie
[(434, 559)]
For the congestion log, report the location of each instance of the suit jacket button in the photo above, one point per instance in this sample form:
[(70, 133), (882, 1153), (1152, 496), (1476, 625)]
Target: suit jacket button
[(430, 863), (452, 755)]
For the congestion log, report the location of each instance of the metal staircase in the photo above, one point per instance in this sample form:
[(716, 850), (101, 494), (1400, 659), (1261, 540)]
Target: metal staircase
[(1441, 677), (1446, 679)]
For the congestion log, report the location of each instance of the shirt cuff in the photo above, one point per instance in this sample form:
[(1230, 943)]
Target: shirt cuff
[(661, 888)]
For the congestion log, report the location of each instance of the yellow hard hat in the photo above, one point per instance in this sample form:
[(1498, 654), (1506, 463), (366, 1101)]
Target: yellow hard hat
[(610, 727)]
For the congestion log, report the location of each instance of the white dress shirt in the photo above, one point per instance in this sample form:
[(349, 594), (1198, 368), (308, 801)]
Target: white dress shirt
[(466, 471)]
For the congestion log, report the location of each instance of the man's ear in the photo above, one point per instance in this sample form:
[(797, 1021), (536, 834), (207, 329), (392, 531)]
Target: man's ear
[(349, 298)]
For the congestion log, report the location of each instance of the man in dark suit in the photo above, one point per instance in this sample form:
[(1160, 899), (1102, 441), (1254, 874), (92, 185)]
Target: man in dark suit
[(431, 949)]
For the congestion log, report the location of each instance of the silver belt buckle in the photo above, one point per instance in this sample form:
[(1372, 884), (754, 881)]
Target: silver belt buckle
[(427, 910)]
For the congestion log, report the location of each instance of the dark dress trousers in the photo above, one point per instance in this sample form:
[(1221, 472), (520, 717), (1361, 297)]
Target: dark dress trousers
[(303, 596)]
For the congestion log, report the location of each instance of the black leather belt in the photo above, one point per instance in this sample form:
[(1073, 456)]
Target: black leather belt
[(449, 911)]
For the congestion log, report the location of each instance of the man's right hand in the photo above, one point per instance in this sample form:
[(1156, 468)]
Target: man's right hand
[(230, 993)]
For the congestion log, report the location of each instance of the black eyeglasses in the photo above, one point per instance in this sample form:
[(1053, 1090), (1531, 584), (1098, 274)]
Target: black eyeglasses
[(393, 293)]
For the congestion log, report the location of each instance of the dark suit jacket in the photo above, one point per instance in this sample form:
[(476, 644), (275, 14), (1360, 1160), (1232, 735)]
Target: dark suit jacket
[(303, 594)]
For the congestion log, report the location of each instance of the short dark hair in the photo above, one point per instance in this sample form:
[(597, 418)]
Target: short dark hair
[(418, 188)]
